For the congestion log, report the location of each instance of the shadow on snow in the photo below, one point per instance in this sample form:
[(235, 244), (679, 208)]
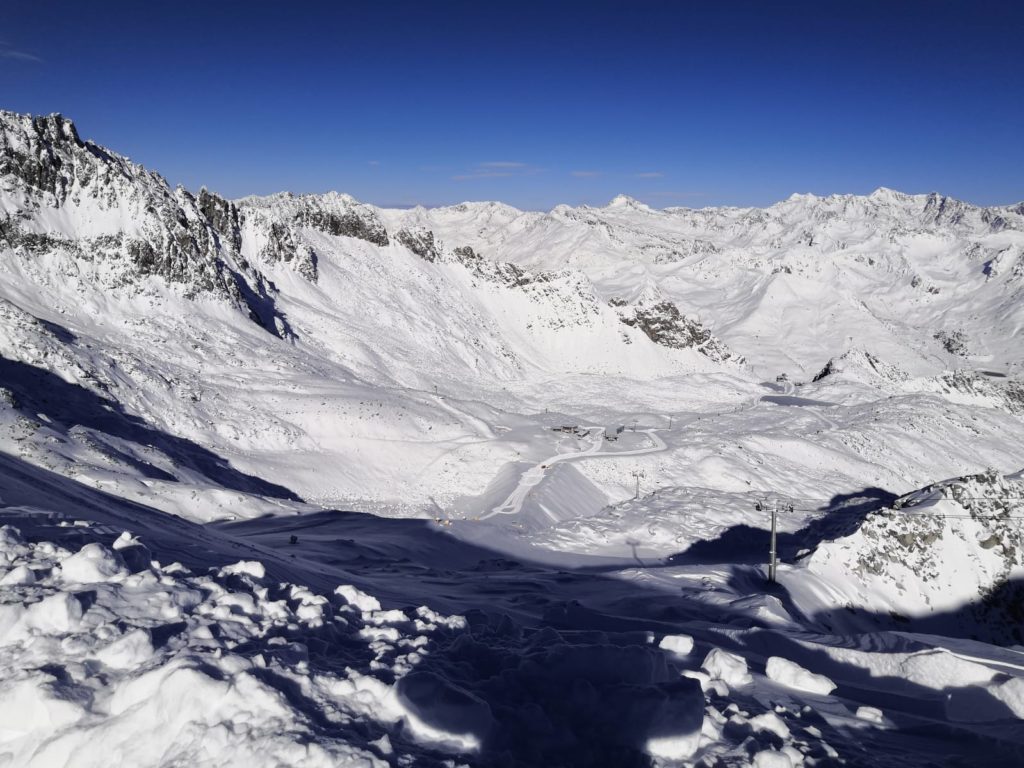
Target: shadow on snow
[(38, 391), (555, 668), (745, 544)]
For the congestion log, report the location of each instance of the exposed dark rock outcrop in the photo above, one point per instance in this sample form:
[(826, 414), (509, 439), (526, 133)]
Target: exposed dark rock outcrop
[(828, 370), (501, 272), (685, 250), (954, 342), (223, 217), (1007, 393), (664, 324), (192, 243), (420, 241), (282, 247), (348, 224)]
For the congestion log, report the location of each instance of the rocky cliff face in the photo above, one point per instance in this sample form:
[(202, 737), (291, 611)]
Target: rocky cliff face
[(664, 324), (282, 246), (420, 241), (89, 207), (331, 214)]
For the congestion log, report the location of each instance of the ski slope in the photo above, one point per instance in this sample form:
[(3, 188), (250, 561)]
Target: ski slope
[(533, 476)]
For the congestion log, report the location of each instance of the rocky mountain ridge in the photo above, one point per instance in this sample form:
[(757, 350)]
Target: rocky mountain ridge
[(88, 206)]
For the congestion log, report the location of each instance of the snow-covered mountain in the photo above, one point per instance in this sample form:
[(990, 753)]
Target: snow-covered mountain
[(590, 409), (104, 263), (924, 280)]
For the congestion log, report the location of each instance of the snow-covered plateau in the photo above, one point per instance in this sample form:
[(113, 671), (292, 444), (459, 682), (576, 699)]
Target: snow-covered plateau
[(297, 480)]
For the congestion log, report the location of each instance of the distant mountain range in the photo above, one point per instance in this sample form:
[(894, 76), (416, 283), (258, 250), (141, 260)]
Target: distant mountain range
[(315, 329)]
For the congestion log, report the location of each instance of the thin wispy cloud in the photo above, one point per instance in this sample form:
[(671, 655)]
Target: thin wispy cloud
[(649, 175), (9, 52), (497, 170), (373, 162), (585, 174), (483, 175)]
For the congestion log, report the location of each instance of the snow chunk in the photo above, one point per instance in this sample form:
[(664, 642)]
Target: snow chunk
[(442, 713), (29, 707), (54, 615), (127, 651), (10, 615), (125, 540), (706, 683), (383, 744), (252, 568), (18, 577), (769, 721), (792, 675), (393, 617), (727, 667), (354, 597), (769, 758), (93, 563), (681, 645), (680, 722), (673, 747), (986, 703), (1011, 693), (10, 540), (871, 714)]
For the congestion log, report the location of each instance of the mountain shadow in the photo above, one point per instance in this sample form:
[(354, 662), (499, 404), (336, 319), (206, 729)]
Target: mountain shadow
[(38, 391), (745, 544), (995, 617)]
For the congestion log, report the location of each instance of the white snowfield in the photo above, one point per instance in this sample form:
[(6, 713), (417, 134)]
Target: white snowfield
[(375, 517)]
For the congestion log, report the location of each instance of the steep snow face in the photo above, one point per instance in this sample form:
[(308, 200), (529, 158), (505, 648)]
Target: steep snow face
[(794, 284)]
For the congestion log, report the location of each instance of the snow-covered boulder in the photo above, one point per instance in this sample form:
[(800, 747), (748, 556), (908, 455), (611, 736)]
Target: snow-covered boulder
[(792, 675), (679, 645), (727, 667)]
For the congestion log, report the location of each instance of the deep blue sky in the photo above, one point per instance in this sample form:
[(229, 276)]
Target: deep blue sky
[(675, 103)]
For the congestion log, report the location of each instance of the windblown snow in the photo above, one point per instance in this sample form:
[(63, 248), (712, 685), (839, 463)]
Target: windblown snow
[(297, 480)]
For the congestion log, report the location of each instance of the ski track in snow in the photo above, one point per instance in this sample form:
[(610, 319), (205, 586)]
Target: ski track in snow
[(532, 477)]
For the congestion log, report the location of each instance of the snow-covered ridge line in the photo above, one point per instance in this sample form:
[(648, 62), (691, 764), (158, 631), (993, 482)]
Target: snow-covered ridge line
[(931, 204), (74, 198)]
